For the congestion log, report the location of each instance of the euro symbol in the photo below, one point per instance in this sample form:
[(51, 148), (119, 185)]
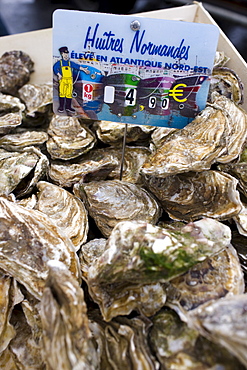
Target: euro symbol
[(175, 93)]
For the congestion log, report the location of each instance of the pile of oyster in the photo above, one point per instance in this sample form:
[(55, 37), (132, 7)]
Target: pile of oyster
[(146, 272)]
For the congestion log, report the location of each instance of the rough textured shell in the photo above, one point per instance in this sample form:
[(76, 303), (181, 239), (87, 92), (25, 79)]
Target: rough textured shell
[(123, 343), (36, 96), (28, 239), (100, 164), (113, 132), (67, 138), (11, 113), (16, 168), (122, 299), (90, 252), (66, 210), (141, 253), (224, 321), (15, 69), (67, 339), (25, 349), (225, 81), (180, 347), (216, 277), (106, 203), (191, 196), (20, 140), (217, 134), (8, 300)]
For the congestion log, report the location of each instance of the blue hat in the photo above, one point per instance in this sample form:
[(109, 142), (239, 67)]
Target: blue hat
[(63, 49)]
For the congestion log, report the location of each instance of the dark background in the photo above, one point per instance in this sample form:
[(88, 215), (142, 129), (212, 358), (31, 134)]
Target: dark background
[(17, 16)]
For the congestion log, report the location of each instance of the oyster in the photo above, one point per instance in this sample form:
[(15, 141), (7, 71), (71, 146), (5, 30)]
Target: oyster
[(28, 202), (224, 321), (113, 132), (225, 81), (26, 350), (66, 210), (36, 97), (11, 110), (22, 139), (241, 220), (179, 347), (28, 240), (235, 128), (122, 343), (7, 361), (20, 171), (68, 139), (122, 299), (194, 195), (239, 243), (68, 174), (15, 69), (9, 298), (217, 134), (220, 59), (100, 164), (90, 252), (159, 135), (67, 339), (216, 277), (31, 309), (140, 253), (109, 202)]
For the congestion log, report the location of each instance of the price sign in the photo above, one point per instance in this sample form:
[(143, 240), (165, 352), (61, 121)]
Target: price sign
[(131, 69)]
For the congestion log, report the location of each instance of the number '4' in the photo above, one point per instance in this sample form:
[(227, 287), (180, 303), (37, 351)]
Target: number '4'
[(130, 98)]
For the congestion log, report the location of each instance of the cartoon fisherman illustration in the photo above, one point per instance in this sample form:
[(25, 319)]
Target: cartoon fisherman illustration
[(63, 69)]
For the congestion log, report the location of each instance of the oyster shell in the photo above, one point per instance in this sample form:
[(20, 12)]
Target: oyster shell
[(31, 309), (217, 134), (68, 139), (239, 243), (15, 69), (113, 132), (191, 196), (67, 339), (123, 343), (220, 59), (100, 164), (116, 299), (124, 298), (67, 211), (11, 110), (90, 252), (28, 240), (179, 347), (140, 253), (36, 97), (224, 321), (68, 174), (7, 360), (225, 81), (241, 220), (20, 171), (9, 298), (106, 203), (235, 129), (20, 140), (216, 277), (159, 135), (26, 350)]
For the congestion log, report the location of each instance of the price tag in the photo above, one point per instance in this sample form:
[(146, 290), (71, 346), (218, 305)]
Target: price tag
[(131, 69)]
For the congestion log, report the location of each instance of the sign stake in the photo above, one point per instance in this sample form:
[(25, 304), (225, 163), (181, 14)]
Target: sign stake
[(123, 151)]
